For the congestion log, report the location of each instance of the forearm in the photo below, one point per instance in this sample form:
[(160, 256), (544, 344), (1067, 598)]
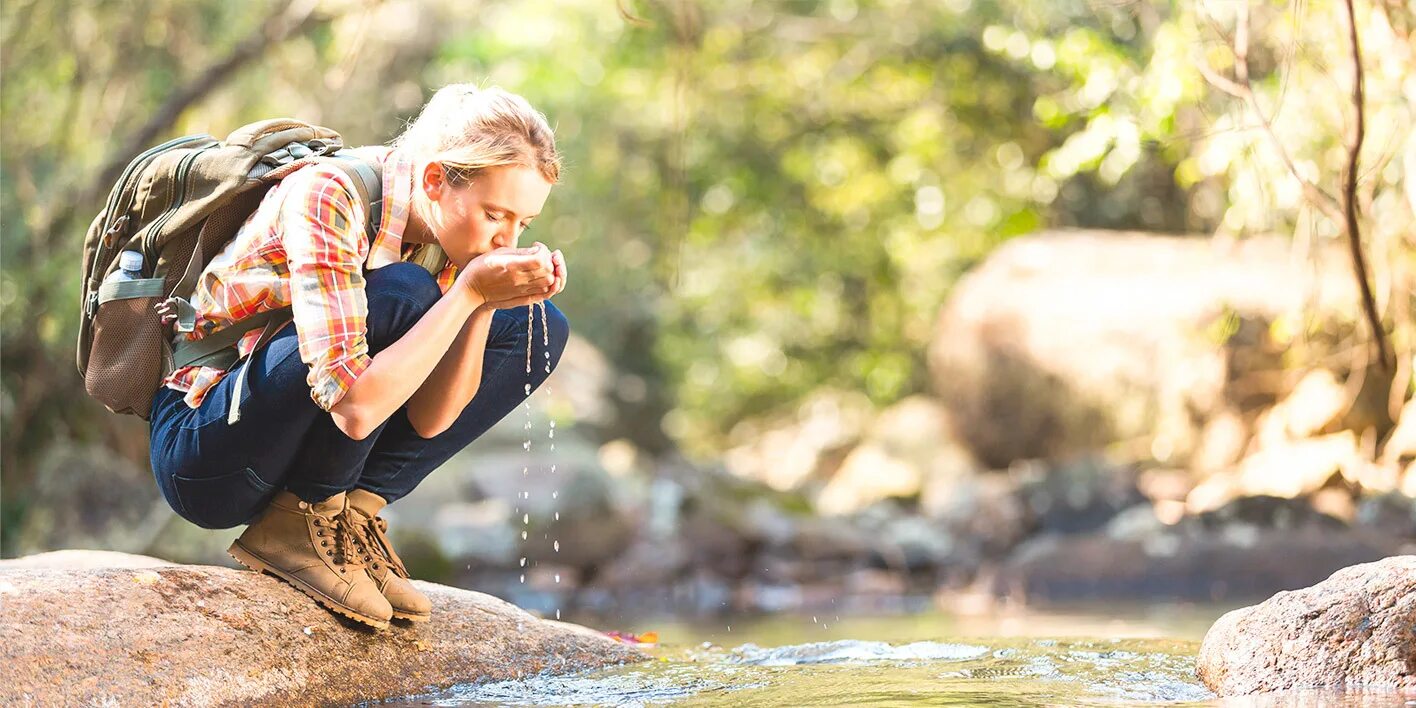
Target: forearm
[(454, 381), (396, 373)]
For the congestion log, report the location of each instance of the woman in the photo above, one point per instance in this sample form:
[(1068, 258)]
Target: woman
[(388, 369)]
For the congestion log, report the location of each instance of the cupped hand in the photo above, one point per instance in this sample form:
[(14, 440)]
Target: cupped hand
[(514, 277)]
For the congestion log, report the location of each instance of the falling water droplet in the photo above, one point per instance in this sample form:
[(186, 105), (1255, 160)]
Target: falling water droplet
[(526, 445), (558, 614), (523, 561), (557, 545), (553, 424), (528, 389), (525, 518), (558, 577), (558, 516), (523, 578), (523, 535), (555, 494)]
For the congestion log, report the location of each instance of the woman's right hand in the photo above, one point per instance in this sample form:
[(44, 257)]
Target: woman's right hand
[(508, 277)]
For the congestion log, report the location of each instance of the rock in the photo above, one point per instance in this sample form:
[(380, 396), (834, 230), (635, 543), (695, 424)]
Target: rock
[(1353, 630), (984, 508), (1392, 513), (1317, 402), (1400, 446), (1068, 341), (867, 475), (75, 559), (785, 453), (1078, 496), (907, 447), (1247, 549), (202, 635)]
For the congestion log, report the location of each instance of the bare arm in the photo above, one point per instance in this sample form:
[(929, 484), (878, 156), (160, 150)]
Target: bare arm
[(454, 382), (395, 373)]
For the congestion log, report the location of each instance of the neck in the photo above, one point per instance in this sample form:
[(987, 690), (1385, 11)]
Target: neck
[(416, 231)]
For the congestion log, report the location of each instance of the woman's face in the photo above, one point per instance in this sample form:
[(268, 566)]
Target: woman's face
[(488, 213)]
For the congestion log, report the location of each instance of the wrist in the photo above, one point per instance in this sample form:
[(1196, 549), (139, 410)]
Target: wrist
[(468, 295)]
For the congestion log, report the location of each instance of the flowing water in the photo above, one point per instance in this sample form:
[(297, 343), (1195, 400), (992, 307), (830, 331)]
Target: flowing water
[(1098, 656), (550, 428), (906, 660)]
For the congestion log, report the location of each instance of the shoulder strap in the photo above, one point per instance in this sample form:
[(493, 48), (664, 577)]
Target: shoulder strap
[(218, 349), (368, 182)]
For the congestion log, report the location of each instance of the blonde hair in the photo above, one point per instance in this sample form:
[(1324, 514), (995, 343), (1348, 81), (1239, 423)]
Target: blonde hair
[(467, 129)]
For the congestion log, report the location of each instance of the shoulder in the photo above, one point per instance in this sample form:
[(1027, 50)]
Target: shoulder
[(319, 182)]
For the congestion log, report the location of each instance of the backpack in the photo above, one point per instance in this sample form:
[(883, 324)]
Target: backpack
[(179, 204)]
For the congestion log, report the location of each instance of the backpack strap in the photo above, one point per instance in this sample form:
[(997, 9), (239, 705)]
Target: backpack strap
[(219, 349), (368, 182)]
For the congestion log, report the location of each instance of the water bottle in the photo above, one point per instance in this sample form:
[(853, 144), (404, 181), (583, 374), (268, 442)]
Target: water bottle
[(130, 267)]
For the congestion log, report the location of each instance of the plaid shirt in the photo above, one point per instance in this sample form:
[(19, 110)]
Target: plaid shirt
[(305, 246)]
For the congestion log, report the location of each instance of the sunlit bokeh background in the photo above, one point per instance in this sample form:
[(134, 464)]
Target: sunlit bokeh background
[(882, 304)]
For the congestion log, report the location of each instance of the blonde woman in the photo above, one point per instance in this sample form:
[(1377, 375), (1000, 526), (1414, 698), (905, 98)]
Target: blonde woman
[(404, 348)]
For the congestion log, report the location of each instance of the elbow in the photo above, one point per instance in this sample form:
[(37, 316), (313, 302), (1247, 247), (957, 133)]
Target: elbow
[(351, 422), (353, 429)]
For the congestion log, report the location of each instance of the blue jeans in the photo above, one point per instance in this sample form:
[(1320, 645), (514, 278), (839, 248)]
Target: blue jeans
[(218, 475)]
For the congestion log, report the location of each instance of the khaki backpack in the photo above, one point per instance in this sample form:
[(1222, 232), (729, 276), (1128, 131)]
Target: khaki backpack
[(178, 204)]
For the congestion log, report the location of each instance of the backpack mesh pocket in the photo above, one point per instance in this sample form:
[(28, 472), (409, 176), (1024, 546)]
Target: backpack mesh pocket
[(129, 352)]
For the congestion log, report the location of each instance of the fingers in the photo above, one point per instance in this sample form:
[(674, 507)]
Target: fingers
[(562, 273)]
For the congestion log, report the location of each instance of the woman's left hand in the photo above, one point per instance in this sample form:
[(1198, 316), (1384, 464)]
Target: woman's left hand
[(561, 274)]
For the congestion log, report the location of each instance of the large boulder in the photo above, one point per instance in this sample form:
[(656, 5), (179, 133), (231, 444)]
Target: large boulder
[(202, 635), (1069, 341), (1357, 629)]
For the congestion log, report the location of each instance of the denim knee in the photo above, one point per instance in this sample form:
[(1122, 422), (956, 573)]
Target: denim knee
[(399, 294)]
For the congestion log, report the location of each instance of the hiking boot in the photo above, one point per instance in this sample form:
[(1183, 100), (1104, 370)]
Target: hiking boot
[(315, 547), (385, 567)]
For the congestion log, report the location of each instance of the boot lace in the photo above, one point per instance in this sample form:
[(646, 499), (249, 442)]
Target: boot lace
[(374, 541), (342, 539)]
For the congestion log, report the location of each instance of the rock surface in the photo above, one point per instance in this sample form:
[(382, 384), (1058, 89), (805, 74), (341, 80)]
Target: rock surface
[(1355, 629), (202, 635)]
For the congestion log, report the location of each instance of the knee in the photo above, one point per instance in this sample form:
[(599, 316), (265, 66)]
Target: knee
[(399, 294)]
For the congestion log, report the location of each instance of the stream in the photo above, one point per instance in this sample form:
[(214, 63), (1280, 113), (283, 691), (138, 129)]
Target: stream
[(1090, 656)]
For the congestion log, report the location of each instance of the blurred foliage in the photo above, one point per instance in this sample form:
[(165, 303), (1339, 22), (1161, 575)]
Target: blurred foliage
[(761, 198)]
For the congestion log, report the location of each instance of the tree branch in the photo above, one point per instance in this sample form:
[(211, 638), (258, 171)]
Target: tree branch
[(1342, 212), (1356, 135)]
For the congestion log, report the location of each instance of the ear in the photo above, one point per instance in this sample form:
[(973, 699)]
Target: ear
[(434, 180)]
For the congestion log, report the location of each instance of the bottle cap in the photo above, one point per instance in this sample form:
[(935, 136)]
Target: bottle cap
[(130, 260)]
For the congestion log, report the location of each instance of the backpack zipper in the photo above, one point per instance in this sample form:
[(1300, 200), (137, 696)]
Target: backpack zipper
[(115, 222), (183, 168)]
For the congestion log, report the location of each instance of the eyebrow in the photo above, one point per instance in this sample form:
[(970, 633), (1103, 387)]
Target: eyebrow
[(504, 209)]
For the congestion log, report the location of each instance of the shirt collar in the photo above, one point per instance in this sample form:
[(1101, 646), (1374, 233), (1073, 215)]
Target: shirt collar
[(387, 245)]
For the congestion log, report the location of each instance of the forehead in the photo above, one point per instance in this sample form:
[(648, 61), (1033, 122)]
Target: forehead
[(516, 187)]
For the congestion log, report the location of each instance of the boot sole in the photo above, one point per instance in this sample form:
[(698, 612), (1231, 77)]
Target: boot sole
[(411, 617), (254, 562)]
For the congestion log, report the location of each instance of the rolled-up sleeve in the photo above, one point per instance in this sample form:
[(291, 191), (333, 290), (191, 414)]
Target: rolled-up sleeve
[(326, 251)]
